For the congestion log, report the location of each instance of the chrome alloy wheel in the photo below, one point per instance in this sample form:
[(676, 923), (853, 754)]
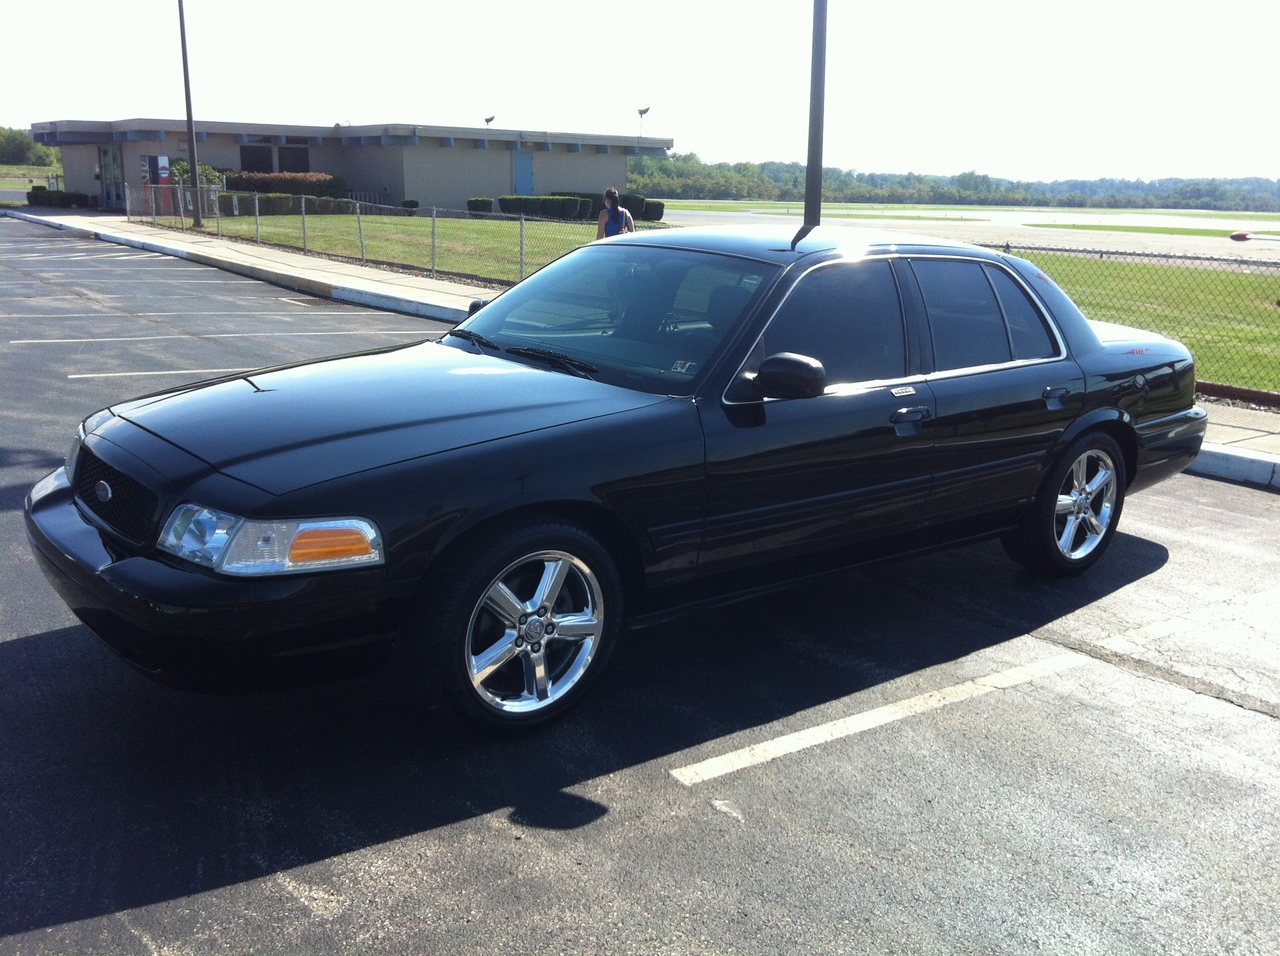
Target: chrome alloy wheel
[(533, 633), (1085, 504)]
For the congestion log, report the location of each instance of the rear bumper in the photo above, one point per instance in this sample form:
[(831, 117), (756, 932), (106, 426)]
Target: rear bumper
[(191, 628), (1166, 446)]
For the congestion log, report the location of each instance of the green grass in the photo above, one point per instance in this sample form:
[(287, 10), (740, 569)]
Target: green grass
[(24, 177), (1227, 317), (476, 247)]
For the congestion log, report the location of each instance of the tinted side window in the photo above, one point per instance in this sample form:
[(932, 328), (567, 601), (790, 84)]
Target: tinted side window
[(847, 316), (964, 316), (1031, 340)]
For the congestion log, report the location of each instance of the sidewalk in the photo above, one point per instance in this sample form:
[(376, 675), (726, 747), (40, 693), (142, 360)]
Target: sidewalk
[(1242, 444)]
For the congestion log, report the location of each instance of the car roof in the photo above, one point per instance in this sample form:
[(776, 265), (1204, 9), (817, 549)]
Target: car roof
[(774, 244)]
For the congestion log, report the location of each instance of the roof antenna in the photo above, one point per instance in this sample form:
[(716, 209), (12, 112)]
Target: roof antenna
[(817, 88)]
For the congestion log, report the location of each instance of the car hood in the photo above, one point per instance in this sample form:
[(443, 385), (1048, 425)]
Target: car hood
[(286, 428)]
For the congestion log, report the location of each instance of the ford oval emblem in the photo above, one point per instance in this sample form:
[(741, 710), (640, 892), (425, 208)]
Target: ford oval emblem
[(103, 491)]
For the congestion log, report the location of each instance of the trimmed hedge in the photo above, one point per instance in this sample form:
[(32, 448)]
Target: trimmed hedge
[(481, 204), (289, 184), (282, 204), (56, 198)]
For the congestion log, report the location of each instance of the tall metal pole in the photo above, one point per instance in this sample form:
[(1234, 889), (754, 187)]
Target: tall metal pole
[(817, 100), (196, 221)]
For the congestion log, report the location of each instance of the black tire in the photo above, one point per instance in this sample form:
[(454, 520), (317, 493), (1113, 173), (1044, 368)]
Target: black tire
[(516, 627), (1075, 514)]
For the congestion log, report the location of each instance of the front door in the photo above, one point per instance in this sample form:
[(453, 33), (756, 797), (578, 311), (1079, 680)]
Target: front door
[(111, 177), (792, 476), (523, 172)]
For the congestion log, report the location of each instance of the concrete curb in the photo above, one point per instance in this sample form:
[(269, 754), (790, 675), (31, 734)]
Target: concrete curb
[(1239, 465)]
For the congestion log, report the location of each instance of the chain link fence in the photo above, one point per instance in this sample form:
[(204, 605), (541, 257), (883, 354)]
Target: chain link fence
[(1226, 310)]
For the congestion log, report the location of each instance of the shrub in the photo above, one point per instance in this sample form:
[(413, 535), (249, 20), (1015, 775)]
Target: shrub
[(410, 206), (654, 209), (480, 204), (633, 204), (290, 184), (57, 199)]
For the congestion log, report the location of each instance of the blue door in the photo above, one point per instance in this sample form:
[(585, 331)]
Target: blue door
[(523, 172)]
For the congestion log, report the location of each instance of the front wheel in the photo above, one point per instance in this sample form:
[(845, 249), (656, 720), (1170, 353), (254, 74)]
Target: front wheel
[(518, 626), (1075, 514)]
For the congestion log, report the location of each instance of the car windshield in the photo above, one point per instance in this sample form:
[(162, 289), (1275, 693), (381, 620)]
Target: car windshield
[(641, 317)]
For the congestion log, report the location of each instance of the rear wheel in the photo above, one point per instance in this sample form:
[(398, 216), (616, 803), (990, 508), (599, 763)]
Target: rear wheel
[(518, 626), (1075, 514)]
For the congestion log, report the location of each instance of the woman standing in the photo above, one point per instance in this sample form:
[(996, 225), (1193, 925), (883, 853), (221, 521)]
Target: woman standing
[(614, 219)]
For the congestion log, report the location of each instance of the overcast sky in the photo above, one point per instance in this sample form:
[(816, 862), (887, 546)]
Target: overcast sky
[(1031, 90)]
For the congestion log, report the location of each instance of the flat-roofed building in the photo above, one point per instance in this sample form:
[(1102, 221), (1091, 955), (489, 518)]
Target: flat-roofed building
[(440, 166)]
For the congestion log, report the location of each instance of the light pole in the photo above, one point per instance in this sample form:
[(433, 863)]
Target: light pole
[(817, 102), (196, 221)]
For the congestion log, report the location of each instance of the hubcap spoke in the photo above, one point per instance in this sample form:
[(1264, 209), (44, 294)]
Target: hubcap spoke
[(1102, 479), (493, 657), (554, 573), (1066, 540), (537, 684), (577, 627), (504, 604)]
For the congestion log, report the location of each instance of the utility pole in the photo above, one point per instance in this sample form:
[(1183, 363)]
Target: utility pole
[(196, 221)]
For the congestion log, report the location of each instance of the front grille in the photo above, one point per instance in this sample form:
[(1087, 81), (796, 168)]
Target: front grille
[(130, 507)]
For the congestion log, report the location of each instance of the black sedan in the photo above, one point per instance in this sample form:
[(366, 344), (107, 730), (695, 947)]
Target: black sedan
[(650, 421)]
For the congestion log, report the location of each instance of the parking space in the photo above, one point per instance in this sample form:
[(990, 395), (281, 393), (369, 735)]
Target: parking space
[(938, 755)]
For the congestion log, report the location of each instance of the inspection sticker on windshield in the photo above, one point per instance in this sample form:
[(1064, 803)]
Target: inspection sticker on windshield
[(684, 367)]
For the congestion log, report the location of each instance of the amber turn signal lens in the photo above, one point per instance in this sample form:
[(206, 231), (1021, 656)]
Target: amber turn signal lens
[(327, 544)]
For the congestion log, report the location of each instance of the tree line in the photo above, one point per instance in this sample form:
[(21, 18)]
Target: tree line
[(685, 176), (17, 148)]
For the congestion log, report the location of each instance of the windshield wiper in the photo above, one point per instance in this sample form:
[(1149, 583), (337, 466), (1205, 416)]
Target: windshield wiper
[(474, 337), (559, 359)]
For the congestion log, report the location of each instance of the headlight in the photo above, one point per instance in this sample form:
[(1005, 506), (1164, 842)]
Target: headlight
[(235, 545)]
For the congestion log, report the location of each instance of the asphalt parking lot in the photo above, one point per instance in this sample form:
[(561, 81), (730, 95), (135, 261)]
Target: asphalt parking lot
[(941, 755)]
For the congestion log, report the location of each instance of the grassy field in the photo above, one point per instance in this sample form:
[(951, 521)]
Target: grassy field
[(485, 248), (24, 177), (1227, 317)]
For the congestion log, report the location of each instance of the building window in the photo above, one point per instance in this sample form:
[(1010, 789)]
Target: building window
[(256, 159), (294, 159)]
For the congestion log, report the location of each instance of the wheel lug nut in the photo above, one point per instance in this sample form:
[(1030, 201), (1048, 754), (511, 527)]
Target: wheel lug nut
[(536, 647)]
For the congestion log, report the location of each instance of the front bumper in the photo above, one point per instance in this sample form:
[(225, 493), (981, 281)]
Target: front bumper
[(189, 627)]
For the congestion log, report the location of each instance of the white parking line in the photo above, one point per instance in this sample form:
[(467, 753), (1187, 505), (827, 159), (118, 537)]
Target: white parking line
[(216, 335), (848, 726)]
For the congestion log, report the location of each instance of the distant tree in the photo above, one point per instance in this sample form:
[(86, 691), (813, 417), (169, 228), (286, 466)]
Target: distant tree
[(15, 147), (685, 176)]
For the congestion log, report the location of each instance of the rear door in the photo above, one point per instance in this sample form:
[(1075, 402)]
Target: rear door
[(1004, 385)]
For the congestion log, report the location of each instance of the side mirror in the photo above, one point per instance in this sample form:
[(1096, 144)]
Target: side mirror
[(475, 306), (788, 375)]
